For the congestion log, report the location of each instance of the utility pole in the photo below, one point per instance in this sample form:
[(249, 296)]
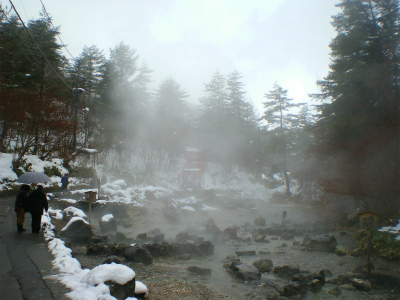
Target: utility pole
[(76, 91)]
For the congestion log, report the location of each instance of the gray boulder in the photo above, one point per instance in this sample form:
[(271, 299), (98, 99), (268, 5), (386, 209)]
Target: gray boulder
[(260, 221), (77, 230), (108, 224), (323, 243), (245, 272), (286, 270), (138, 254), (263, 265), (199, 270)]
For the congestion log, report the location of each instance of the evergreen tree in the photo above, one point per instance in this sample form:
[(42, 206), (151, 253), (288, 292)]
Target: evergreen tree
[(280, 123), (358, 127)]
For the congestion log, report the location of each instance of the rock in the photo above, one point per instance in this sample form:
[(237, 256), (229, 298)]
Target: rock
[(71, 211), (112, 259), (77, 230), (286, 270), (122, 291), (296, 243), (260, 221), (357, 252), (206, 248), (286, 236), (182, 237), (142, 236), (325, 273), (245, 272), (156, 236), (199, 269), (341, 251), (335, 291), (315, 285), (306, 278), (294, 288), (263, 265), (230, 232), (361, 285), (119, 238), (138, 254), (340, 279), (108, 224), (323, 243), (283, 245), (245, 253)]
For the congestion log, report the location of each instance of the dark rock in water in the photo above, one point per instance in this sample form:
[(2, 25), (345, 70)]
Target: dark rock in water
[(340, 279), (206, 248), (260, 221), (341, 251), (335, 291), (361, 285), (245, 272), (156, 236), (199, 269), (294, 288), (96, 249), (119, 237), (142, 236), (315, 285), (323, 243), (184, 256), (286, 270), (246, 253), (308, 277), (286, 236), (325, 273), (230, 232), (122, 292), (160, 250), (263, 265), (182, 237), (138, 254), (77, 230), (108, 225), (112, 259), (267, 290)]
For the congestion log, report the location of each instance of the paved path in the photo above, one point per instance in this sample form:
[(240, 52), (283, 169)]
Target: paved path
[(25, 262)]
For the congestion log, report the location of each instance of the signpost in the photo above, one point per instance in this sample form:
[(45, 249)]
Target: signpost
[(90, 197)]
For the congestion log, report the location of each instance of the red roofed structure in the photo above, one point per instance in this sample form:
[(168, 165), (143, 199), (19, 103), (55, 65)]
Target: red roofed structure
[(193, 170)]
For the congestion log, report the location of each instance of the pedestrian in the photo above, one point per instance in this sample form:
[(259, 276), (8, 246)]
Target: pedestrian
[(21, 206), (64, 182), (37, 202)]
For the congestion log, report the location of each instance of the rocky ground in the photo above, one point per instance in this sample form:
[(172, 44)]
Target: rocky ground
[(234, 233)]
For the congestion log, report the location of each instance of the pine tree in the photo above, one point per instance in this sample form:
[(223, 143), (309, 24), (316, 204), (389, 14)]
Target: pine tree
[(358, 127), (280, 122)]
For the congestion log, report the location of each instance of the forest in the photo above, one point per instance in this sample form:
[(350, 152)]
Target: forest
[(52, 106)]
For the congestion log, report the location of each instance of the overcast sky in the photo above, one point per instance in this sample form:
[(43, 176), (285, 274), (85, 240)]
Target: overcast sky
[(286, 41)]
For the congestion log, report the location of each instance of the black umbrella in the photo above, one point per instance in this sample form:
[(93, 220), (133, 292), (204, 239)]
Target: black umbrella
[(33, 177)]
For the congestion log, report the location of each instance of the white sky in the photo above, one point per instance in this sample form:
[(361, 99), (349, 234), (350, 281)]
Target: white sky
[(286, 41)]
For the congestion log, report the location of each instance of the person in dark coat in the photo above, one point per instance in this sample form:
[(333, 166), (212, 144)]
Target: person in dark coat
[(37, 201), (21, 206), (64, 182)]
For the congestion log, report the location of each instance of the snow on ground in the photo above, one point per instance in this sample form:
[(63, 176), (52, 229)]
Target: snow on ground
[(393, 229), (85, 284)]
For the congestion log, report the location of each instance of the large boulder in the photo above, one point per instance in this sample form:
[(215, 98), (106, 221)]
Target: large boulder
[(245, 272), (199, 270), (260, 221), (263, 265), (108, 224), (77, 230), (286, 270), (71, 211), (323, 243), (138, 254)]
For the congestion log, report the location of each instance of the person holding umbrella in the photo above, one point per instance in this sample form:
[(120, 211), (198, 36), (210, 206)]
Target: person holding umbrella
[(21, 206), (37, 201)]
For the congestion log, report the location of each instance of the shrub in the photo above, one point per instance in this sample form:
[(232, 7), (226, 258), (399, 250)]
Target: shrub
[(83, 171), (383, 244), (52, 171)]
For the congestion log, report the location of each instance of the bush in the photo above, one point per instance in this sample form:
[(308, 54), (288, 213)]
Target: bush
[(83, 171), (52, 171), (383, 244)]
